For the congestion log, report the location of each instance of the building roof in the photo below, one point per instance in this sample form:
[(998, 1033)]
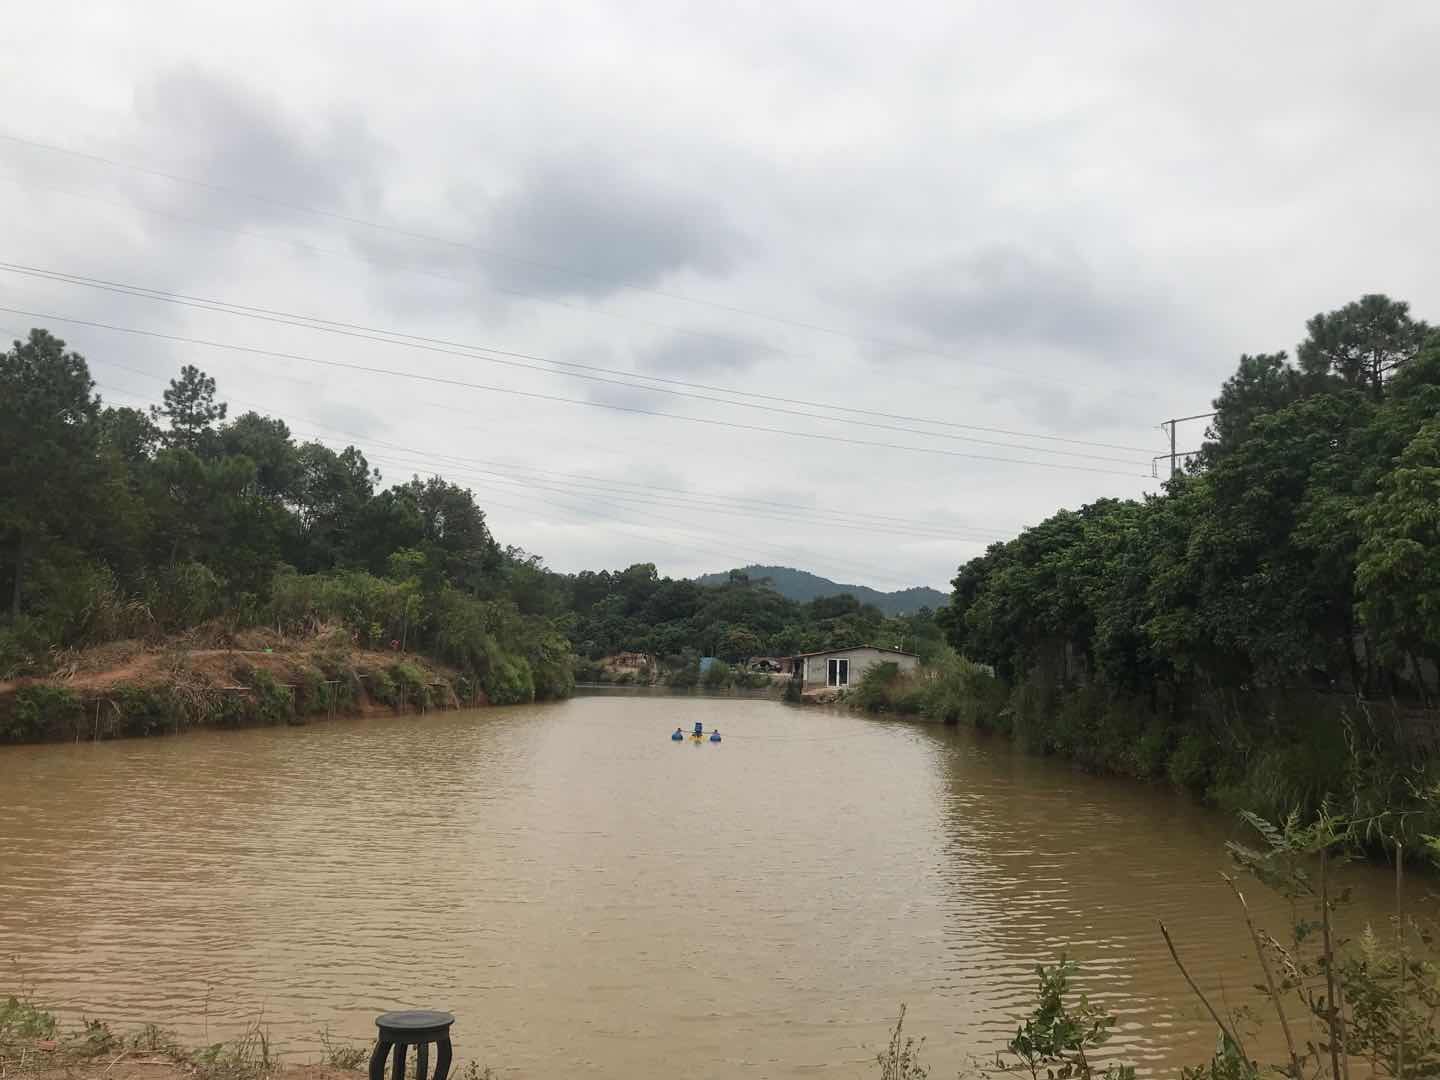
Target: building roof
[(852, 648)]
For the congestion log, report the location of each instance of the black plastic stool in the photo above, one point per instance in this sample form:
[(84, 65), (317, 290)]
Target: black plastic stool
[(412, 1027)]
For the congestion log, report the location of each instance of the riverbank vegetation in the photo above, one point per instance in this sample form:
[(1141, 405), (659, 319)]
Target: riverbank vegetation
[(1367, 1003), (35, 1043), (119, 523), (1265, 632), (178, 523)]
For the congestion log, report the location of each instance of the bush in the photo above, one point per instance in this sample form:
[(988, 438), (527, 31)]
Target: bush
[(509, 681), (412, 684), (717, 675), (24, 647), (85, 604), (684, 677), (872, 692), (144, 710), (590, 671), (382, 687), (183, 595), (1192, 765), (41, 713)]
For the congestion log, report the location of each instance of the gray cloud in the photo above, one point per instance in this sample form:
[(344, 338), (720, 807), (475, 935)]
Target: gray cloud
[(228, 134), (1008, 295), (587, 225), (1075, 226), (689, 354)]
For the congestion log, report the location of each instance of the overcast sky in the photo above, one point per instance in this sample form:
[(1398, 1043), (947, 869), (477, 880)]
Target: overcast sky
[(1057, 221)]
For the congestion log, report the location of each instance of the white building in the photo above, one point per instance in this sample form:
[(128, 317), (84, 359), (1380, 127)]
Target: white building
[(846, 667)]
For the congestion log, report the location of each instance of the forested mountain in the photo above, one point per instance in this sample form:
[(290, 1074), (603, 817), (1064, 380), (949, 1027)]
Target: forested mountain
[(803, 586)]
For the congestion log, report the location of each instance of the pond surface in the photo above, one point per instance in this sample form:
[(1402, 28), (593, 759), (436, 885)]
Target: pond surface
[(591, 899)]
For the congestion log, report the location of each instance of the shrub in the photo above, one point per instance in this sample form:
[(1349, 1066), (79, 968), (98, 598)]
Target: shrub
[(21, 1019), (411, 683), (382, 687), (183, 595), (144, 710), (84, 603), (716, 675), (24, 647), (685, 676), (41, 713), (1192, 764), (312, 694), (509, 681), (872, 692), (590, 671)]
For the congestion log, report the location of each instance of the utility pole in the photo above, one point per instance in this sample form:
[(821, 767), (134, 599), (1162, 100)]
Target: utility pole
[(1175, 456)]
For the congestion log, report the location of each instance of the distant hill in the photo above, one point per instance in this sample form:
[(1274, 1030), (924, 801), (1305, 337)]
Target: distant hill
[(803, 586)]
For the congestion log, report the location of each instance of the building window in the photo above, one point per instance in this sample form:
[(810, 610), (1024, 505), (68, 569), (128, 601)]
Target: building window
[(839, 673)]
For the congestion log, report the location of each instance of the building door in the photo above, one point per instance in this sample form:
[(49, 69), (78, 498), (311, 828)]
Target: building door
[(839, 673)]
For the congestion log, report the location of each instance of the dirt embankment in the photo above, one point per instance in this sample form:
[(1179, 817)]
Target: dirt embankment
[(217, 679)]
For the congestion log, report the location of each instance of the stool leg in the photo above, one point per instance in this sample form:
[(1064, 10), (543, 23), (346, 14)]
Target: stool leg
[(377, 1060), (422, 1061), (442, 1059), (397, 1071)]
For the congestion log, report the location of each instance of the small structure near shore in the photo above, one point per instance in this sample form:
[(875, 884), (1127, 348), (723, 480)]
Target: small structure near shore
[(839, 668)]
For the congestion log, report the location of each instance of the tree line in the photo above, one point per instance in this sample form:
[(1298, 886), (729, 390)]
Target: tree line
[(1246, 628), (119, 522), (122, 522)]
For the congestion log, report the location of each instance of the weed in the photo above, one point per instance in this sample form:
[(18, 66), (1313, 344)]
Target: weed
[(348, 1057), (22, 1019), (247, 1058), (93, 1039), (900, 1060)]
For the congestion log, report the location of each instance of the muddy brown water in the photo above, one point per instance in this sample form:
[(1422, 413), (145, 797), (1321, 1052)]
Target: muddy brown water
[(591, 899)]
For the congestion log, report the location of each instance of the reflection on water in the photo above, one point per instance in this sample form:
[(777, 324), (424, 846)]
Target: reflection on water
[(588, 896)]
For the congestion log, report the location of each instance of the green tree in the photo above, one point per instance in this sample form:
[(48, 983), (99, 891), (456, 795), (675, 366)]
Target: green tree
[(1261, 384), (49, 471), (1398, 571), (266, 442), (1361, 344), (191, 411)]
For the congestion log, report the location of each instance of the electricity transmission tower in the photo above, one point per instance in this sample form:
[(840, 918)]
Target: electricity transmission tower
[(1175, 455)]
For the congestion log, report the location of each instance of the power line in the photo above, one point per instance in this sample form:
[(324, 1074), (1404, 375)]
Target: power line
[(576, 483), (444, 381), (956, 532), (591, 310), (505, 357), (412, 234), (789, 553)]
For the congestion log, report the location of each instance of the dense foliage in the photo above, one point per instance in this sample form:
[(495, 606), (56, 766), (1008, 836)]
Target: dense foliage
[(1242, 630), (118, 523), (638, 610)]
